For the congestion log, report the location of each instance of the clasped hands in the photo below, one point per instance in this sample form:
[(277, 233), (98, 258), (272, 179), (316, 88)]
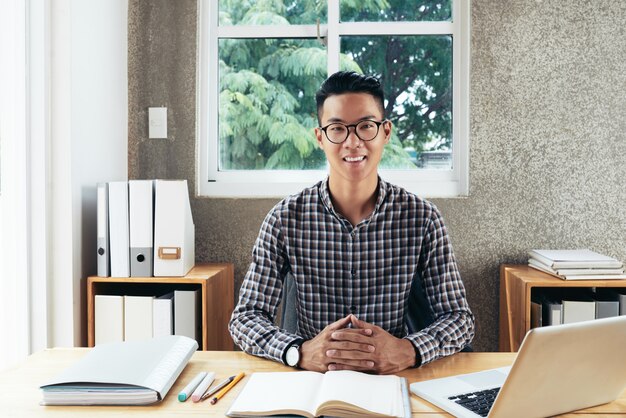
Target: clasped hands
[(363, 347)]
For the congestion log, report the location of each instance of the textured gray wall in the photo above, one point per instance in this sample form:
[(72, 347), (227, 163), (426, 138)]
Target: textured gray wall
[(548, 136)]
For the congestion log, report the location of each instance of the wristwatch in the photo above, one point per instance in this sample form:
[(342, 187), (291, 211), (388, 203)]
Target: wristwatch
[(293, 355)]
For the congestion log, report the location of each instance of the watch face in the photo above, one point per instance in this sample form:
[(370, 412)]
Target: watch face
[(293, 356)]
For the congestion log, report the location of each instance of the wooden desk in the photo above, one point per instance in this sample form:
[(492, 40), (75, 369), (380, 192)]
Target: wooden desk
[(20, 394)]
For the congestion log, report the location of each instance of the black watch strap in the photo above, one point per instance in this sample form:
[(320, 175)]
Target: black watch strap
[(297, 342)]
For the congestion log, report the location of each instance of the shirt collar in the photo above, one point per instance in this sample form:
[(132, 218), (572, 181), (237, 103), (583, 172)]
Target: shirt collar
[(324, 191)]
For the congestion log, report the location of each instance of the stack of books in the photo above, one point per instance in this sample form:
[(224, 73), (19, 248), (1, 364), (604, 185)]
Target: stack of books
[(577, 264)]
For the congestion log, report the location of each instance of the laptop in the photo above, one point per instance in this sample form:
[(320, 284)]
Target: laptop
[(558, 369)]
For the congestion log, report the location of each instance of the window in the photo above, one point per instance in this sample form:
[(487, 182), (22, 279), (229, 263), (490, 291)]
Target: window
[(261, 62)]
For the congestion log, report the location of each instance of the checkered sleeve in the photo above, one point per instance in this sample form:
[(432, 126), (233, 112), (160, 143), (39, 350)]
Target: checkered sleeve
[(252, 322), (453, 327)]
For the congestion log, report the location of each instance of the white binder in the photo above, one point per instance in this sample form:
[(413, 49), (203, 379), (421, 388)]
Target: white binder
[(163, 315), (141, 213), (137, 318), (109, 318), (174, 235), (187, 310), (102, 227), (118, 228)]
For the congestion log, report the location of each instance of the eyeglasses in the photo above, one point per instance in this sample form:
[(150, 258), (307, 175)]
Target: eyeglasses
[(366, 130)]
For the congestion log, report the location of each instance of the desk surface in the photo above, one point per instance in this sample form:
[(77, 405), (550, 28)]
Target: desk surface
[(20, 394)]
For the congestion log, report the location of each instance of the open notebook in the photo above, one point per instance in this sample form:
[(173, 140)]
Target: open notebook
[(558, 369), (122, 373), (312, 394)]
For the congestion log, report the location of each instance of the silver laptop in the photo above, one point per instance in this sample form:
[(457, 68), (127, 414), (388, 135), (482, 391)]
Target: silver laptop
[(558, 369)]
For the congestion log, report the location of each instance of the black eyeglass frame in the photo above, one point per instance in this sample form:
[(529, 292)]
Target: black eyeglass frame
[(354, 125)]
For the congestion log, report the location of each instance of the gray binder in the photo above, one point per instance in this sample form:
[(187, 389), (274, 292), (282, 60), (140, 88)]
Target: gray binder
[(141, 211), (102, 250)]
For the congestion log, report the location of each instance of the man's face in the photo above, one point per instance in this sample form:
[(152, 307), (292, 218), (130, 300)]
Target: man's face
[(354, 160)]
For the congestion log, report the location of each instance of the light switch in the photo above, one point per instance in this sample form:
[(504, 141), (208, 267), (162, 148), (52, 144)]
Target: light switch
[(157, 122)]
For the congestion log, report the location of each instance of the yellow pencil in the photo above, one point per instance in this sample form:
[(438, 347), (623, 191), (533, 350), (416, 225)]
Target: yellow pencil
[(227, 388)]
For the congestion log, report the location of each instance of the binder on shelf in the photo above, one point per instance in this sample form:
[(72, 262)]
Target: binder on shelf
[(108, 319), (174, 235), (536, 314), (553, 311), (141, 214), (607, 308), (607, 303), (119, 229), (163, 315), (102, 227), (187, 319), (578, 306), (137, 318)]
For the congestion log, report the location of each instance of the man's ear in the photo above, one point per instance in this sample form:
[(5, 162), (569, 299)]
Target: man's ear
[(319, 135), (387, 130)]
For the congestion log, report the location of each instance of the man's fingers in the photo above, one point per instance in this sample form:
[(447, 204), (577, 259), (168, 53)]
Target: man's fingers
[(351, 334), (339, 324), (366, 365), (354, 346), (350, 350), (356, 321)]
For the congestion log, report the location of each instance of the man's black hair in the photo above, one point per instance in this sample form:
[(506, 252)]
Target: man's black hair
[(349, 82)]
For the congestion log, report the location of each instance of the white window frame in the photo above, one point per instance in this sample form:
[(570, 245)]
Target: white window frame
[(279, 183)]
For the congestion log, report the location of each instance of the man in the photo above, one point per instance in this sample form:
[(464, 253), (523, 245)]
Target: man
[(353, 243)]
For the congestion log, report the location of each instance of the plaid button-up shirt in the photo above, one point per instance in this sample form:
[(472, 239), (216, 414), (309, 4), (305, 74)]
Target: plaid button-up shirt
[(340, 269)]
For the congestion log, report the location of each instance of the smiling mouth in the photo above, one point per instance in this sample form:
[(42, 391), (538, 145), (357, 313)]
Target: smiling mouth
[(354, 159)]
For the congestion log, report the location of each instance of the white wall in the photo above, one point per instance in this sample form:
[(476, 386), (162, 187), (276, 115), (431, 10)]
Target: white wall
[(89, 125)]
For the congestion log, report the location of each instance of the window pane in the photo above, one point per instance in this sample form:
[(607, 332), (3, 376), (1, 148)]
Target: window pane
[(416, 72), (267, 103), (271, 12), (395, 10)]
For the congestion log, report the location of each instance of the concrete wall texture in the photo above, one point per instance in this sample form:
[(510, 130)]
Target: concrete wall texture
[(547, 138)]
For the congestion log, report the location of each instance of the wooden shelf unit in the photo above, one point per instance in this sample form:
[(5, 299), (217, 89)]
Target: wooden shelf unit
[(216, 282), (516, 285)]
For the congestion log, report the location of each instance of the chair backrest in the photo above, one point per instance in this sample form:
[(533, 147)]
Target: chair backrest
[(289, 316)]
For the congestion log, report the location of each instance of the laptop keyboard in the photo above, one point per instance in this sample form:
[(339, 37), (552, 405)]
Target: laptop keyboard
[(478, 402)]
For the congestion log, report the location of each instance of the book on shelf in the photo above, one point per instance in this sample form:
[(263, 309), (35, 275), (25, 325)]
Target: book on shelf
[(312, 394), (601, 271), (567, 259), (122, 373)]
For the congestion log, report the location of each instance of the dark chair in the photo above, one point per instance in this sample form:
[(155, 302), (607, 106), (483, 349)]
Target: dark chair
[(419, 315)]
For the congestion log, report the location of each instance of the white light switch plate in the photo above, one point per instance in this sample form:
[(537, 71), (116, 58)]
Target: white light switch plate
[(157, 122)]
